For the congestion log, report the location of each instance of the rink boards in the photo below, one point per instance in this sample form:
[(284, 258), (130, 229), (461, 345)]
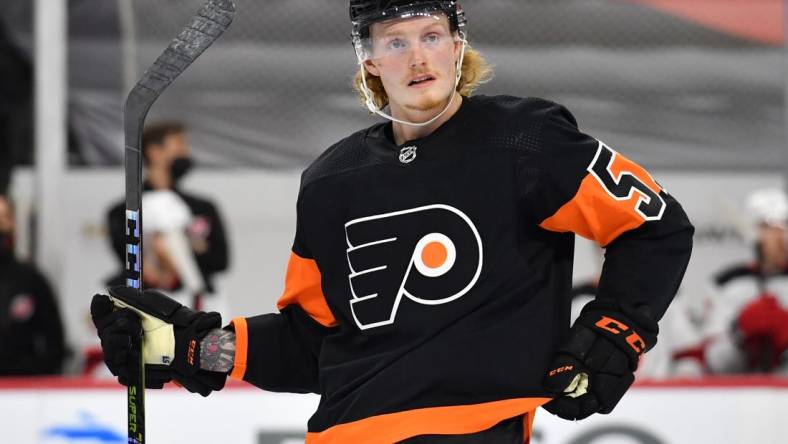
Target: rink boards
[(66, 411)]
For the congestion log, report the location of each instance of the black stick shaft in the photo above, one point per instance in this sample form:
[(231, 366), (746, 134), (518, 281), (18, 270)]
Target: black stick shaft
[(203, 29)]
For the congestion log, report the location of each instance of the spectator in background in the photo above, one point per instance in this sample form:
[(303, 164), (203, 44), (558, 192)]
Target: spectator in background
[(746, 328), (31, 331), (166, 207)]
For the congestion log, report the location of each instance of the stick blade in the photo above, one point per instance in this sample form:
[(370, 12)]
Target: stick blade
[(203, 29), (211, 21)]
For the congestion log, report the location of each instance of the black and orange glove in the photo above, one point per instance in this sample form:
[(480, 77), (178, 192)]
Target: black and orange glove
[(596, 366), (117, 329), (172, 336)]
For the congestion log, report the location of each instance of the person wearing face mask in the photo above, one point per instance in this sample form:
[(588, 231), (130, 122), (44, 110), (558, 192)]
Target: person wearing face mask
[(30, 324), (745, 329), (168, 207)]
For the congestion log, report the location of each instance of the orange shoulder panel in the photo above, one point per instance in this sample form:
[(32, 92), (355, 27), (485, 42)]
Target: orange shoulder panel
[(303, 288), (594, 214)]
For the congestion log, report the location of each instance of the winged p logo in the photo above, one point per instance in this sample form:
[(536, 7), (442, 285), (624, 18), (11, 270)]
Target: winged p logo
[(429, 255)]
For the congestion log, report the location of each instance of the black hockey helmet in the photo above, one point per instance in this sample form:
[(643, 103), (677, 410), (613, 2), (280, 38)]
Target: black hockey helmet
[(364, 13)]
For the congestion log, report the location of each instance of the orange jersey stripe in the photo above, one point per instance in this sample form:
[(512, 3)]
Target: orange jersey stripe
[(241, 348), (302, 287), (450, 420), (594, 214)]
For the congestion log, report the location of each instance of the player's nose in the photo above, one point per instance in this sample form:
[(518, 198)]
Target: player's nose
[(418, 56)]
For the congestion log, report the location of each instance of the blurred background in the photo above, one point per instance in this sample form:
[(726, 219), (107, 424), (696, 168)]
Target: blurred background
[(694, 90)]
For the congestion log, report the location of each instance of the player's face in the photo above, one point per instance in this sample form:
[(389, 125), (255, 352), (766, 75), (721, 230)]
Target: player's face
[(177, 145), (774, 245), (415, 59), (7, 223), (172, 147)]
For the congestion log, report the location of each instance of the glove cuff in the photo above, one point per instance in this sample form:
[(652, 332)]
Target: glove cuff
[(190, 328), (630, 337)]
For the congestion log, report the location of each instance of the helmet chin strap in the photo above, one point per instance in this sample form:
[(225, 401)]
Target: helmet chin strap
[(374, 108)]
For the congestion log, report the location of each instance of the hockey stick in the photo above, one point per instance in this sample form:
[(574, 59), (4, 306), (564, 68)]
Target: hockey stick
[(203, 29)]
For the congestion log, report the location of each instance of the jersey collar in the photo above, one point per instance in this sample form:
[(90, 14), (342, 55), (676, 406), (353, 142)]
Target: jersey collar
[(443, 141)]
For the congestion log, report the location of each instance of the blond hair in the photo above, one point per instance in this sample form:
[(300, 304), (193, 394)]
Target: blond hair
[(475, 72)]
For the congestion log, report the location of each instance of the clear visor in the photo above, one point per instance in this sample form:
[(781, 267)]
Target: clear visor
[(397, 39)]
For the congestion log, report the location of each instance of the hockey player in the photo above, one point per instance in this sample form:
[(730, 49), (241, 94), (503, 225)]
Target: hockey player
[(746, 329), (427, 293)]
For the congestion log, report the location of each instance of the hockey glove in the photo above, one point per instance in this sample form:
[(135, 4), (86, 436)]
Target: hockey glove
[(595, 367), (172, 335), (116, 328)]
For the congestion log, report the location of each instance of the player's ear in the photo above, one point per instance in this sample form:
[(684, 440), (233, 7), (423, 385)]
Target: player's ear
[(369, 65)]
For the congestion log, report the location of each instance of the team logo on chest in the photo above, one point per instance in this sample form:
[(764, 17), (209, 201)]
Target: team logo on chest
[(407, 154), (428, 255)]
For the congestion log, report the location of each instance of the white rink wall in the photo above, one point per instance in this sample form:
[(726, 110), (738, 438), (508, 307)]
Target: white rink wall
[(259, 213), (725, 412)]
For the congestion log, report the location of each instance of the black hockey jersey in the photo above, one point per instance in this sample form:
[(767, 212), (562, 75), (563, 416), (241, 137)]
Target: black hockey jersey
[(429, 283)]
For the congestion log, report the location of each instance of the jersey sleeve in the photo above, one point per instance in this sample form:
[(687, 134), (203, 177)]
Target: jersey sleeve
[(279, 351), (585, 187)]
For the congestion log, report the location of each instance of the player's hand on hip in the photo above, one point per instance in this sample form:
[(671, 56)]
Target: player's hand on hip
[(172, 335), (595, 367)]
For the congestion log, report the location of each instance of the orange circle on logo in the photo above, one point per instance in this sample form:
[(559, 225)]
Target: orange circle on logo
[(434, 254)]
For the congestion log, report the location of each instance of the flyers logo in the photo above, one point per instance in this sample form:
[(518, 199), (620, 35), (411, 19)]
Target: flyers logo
[(429, 255), (621, 186)]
